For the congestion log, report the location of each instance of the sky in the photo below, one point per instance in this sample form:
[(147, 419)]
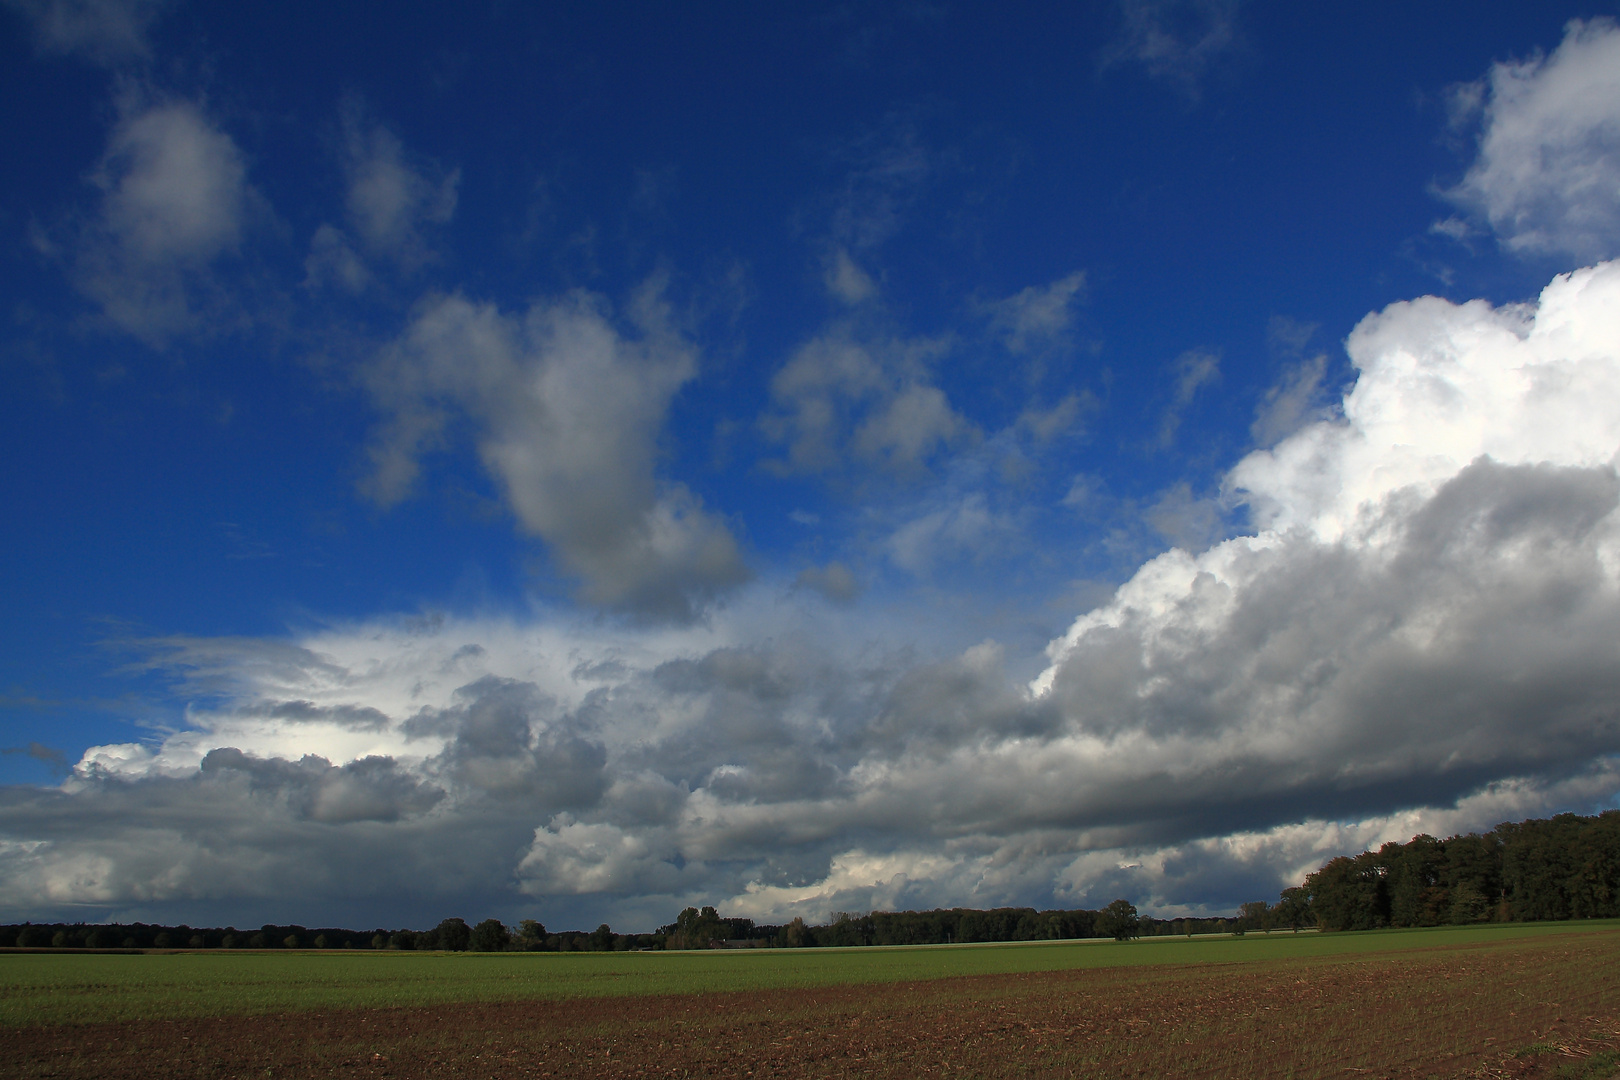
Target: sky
[(576, 462)]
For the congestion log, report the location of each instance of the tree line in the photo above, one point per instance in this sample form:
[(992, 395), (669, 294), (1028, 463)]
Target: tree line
[(693, 928), (706, 929), (451, 935), (1565, 867)]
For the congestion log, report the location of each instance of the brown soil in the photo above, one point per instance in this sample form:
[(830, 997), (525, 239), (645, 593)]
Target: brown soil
[(1531, 1013)]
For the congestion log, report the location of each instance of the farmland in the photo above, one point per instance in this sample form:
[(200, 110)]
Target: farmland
[(1524, 1000)]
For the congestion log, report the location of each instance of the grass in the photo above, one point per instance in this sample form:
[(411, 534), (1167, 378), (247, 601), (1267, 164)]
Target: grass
[(38, 989), (1599, 1066)]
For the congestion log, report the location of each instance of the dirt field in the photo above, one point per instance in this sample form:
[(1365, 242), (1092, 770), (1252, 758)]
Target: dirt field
[(1548, 1008)]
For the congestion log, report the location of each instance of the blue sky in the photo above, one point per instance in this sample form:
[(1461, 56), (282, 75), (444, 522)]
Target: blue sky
[(800, 459)]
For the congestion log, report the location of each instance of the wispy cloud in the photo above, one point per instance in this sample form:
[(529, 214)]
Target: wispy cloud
[(1194, 370), (1040, 316), (391, 201), (109, 32), (38, 751), (1177, 41)]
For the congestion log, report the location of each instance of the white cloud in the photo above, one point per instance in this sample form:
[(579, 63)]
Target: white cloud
[(889, 167), (1547, 177), (104, 31), (1440, 385), (567, 413), (1063, 418), (1433, 596), (175, 200)]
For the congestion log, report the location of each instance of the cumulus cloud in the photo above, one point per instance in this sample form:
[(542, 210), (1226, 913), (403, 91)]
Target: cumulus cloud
[(1421, 633), (567, 412), (1430, 600), (103, 31), (175, 201), (1547, 177)]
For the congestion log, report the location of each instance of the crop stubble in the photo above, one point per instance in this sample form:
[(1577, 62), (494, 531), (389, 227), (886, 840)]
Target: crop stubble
[(1451, 1011)]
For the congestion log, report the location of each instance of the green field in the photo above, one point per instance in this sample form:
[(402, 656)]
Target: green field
[(72, 988)]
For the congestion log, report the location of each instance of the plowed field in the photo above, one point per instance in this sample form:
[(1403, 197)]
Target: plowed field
[(1528, 1008)]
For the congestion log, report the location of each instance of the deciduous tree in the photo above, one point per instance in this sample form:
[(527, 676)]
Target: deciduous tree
[(1119, 920)]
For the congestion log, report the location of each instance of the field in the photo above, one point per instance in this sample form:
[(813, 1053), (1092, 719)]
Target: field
[(1524, 1001)]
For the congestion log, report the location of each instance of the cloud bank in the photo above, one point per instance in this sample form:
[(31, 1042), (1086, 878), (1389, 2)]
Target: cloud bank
[(1421, 632)]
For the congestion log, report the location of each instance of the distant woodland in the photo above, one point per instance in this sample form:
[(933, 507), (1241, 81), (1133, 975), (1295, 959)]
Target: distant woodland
[(1566, 867)]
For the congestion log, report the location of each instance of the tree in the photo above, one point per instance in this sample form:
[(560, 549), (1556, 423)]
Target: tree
[(1473, 877), (796, 935), (1255, 915), (1349, 894), (1293, 910), (1119, 921), (694, 929), (531, 935), (453, 935), (490, 936), (1415, 875)]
